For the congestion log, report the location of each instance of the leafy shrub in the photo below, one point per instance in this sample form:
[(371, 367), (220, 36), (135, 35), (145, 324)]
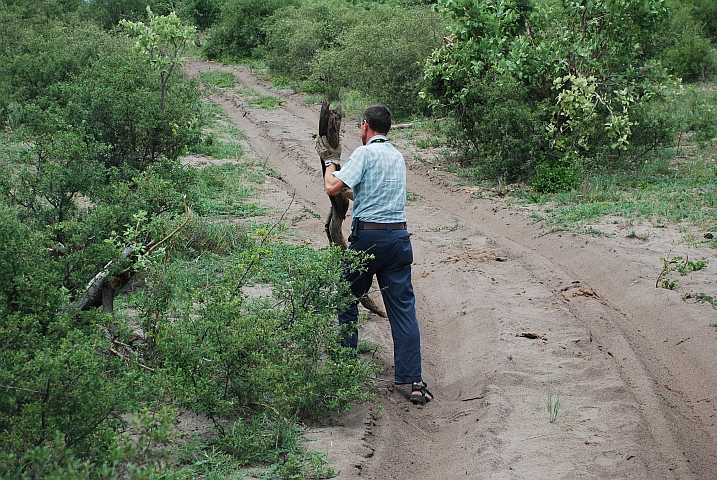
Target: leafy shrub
[(239, 30), (108, 13), (297, 33), (60, 383), (557, 176), (281, 353), (63, 389), (585, 69), (499, 130), (85, 101), (35, 62), (319, 41), (656, 125), (688, 53), (693, 109), (24, 276), (392, 43), (705, 12), (42, 195), (84, 80), (136, 455), (203, 13)]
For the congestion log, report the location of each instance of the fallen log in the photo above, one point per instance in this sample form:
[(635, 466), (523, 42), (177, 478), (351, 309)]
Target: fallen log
[(101, 289), (330, 127), (98, 286)]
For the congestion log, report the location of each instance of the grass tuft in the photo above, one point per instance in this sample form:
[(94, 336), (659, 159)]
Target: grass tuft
[(554, 403)]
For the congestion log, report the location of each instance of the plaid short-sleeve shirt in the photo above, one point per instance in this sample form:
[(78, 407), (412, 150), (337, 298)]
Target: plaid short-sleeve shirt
[(376, 172)]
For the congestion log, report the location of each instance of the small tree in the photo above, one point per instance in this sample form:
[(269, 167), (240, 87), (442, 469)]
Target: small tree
[(162, 42)]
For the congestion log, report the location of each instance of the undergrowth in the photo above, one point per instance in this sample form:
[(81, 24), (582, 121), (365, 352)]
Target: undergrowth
[(679, 265)]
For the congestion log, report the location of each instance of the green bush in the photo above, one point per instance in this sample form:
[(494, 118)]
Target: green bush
[(41, 192), (120, 107), (82, 79), (108, 13), (297, 33), (585, 69), (319, 41), (499, 130), (231, 352), (698, 112), (44, 187), (267, 439), (656, 125), (40, 57), (392, 43), (688, 54), (705, 12), (556, 176), (239, 30), (61, 382), (202, 13), (91, 168), (27, 286), (64, 391)]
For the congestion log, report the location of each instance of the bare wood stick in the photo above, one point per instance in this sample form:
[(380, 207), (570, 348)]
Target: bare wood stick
[(127, 359), (174, 232)]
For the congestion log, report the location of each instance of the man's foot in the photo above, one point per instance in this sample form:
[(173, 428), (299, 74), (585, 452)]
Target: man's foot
[(420, 395)]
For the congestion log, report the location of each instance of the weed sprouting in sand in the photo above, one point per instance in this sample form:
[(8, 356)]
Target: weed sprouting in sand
[(554, 403), (680, 265)]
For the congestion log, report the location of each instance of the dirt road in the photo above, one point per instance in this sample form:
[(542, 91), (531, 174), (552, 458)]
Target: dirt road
[(635, 366)]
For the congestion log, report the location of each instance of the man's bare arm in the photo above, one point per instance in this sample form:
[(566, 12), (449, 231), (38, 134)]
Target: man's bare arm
[(334, 186)]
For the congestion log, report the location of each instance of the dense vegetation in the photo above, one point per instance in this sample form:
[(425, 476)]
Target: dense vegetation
[(558, 95)]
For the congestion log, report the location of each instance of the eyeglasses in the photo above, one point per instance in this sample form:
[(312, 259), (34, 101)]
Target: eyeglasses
[(360, 124)]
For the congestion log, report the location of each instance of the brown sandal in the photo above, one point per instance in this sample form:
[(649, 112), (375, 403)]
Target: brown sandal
[(420, 395)]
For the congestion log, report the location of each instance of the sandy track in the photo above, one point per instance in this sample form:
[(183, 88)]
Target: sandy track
[(634, 364)]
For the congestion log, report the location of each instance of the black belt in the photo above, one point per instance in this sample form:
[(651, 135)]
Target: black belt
[(381, 226)]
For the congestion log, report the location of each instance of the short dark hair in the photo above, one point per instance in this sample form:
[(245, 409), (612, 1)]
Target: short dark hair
[(378, 118)]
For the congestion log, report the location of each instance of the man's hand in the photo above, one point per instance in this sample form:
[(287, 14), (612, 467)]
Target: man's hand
[(326, 152)]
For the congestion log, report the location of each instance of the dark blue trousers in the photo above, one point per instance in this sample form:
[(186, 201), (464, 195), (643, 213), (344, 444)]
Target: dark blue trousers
[(393, 256)]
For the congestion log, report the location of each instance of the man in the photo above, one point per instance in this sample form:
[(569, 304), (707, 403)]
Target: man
[(374, 177)]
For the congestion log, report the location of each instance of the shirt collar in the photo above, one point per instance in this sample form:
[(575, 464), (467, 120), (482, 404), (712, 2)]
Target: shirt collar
[(377, 138)]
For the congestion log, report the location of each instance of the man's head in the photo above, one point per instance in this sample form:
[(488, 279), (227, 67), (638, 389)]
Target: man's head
[(377, 120)]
